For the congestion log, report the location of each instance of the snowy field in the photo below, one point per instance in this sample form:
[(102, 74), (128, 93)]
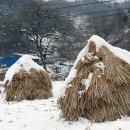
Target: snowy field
[(44, 115)]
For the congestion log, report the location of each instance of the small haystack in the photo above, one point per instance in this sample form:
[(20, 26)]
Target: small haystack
[(98, 86), (27, 80)]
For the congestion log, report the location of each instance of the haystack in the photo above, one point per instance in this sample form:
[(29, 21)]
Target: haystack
[(98, 86), (27, 80)]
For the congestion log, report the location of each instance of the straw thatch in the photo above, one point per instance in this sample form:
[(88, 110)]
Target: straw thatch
[(107, 97), (33, 85)]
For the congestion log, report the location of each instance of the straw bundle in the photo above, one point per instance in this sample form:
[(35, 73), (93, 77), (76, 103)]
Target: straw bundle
[(100, 89), (28, 85)]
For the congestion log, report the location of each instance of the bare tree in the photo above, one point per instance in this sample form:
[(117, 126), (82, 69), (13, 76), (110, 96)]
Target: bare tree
[(41, 28), (45, 46)]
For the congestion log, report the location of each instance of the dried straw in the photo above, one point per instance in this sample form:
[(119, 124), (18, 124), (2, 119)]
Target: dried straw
[(108, 97), (29, 86)]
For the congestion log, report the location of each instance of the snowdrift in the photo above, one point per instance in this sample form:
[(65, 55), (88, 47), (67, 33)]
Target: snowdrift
[(27, 80), (98, 85)]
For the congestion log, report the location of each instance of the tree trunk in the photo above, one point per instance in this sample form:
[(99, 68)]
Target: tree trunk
[(43, 59), (42, 56), (45, 62)]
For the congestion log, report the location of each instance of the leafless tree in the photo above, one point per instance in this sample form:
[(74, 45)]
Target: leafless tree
[(42, 29)]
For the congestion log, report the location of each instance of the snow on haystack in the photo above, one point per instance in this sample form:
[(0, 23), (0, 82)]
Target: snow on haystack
[(100, 42), (27, 80), (24, 63), (98, 85)]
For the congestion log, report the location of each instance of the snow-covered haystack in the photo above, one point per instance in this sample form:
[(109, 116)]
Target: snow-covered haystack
[(27, 80), (98, 85)]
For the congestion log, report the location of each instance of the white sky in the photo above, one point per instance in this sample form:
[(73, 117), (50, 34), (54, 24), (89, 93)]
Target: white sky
[(99, 0), (102, 0)]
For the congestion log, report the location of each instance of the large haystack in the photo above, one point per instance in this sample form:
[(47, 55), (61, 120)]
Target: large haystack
[(98, 86), (27, 80)]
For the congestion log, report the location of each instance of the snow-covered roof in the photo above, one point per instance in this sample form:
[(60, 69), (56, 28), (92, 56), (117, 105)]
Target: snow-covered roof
[(24, 63)]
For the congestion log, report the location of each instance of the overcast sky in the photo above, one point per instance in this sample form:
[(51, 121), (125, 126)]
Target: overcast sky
[(90, 0), (119, 0), (100, 0)]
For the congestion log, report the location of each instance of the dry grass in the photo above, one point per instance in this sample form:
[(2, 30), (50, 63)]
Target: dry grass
[(30, 86), (108, 97)]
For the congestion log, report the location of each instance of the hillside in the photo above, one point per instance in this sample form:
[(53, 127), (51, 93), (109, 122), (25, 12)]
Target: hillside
[(76, 22)]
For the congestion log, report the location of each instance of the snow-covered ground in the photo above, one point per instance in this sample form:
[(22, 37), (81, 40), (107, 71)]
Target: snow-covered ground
[(44, 115), (1, 82)]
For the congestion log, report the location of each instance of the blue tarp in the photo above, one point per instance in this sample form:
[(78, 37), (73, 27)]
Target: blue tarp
[(9, 60)]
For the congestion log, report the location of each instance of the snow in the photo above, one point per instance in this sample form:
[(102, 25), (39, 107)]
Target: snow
[(99, 42), (87, 81), (119, 1), (24, 63), (73, 72), (80, 93), (100, 65), (1, 82), (127, 31), (32, 56), (71, 76), (45, 115)]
